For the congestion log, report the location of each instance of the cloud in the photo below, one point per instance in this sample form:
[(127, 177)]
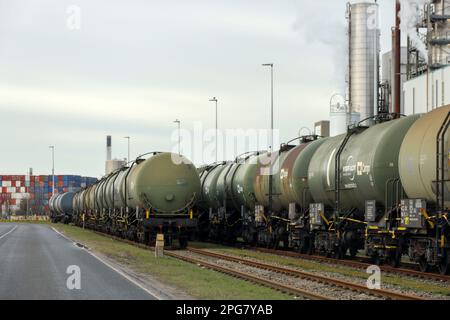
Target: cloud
[(135, 66)]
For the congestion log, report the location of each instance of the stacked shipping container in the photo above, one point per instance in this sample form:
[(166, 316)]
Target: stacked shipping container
[(30, 194)]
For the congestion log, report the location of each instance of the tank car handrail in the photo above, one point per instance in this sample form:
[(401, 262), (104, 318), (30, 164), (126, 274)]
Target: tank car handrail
[(153, 153), (303, 139), (380, 118), (96, 191), (106, 184), (231, 183), (208, 172), (246, 155), (126, 178), (113, 185)]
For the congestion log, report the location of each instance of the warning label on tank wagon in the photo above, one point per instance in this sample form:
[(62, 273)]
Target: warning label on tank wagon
[(412, 213)]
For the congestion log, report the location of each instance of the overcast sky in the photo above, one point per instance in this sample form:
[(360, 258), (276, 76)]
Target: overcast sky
[(134, 66)]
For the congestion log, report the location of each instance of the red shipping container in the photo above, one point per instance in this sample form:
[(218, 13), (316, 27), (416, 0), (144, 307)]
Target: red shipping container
[(4, 190), (50, 183), (60, 184), (12, 202)]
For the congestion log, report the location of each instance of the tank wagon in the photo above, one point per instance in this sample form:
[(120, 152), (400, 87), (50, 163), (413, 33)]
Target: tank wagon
[(384, 189), (155, 194), (236, 203), (346, 172), (227, 195), (416, 220), (61, 209)]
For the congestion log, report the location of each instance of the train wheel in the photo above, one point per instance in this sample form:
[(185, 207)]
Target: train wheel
[(444, 265), (376, 259), (353, 252), (395, 258), (423, 265), (340, 253), (183, 242)]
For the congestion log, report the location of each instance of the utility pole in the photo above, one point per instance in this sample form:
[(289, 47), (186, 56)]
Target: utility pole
[(53, 169), (217, 126), (397, 60), (128, 138), (271, 137), (179, 135)]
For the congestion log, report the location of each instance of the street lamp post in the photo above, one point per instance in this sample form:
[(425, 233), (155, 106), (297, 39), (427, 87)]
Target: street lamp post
[(53, 169), (179, 135), (128, 138), (217, 126), (271, 137)]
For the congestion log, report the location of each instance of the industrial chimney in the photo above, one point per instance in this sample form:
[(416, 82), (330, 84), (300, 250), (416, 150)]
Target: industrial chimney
[(111, 164), (108, 148)]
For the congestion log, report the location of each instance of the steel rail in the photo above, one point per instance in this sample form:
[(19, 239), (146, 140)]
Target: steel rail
[(238, 274), (383, 293), (249, 277), (407, 270)]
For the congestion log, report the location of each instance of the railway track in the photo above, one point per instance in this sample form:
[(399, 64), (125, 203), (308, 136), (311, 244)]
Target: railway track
[(245, 276), (406, 271), (382, 293)]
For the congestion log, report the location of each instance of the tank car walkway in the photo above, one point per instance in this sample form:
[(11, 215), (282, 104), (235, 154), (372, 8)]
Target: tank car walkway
[(38, 263)]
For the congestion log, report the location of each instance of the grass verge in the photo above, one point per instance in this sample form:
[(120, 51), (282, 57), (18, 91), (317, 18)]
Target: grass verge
[(196, 281)]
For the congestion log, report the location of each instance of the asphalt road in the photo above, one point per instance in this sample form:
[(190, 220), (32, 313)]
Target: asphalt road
[(34, 261)]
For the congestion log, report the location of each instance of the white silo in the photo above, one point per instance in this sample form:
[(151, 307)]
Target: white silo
[(364, 48)]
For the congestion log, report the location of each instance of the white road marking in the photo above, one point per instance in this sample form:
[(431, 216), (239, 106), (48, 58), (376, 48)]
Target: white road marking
[(4, 235), (124, 275), (113, 268)]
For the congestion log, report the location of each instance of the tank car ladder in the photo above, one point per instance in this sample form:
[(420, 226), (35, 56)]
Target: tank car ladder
[(337, 167), (442, 230), (440, 164)]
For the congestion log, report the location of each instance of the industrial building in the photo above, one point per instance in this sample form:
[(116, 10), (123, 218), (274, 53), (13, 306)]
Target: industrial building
[(388, 76), (426, 78), (414, 78)]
